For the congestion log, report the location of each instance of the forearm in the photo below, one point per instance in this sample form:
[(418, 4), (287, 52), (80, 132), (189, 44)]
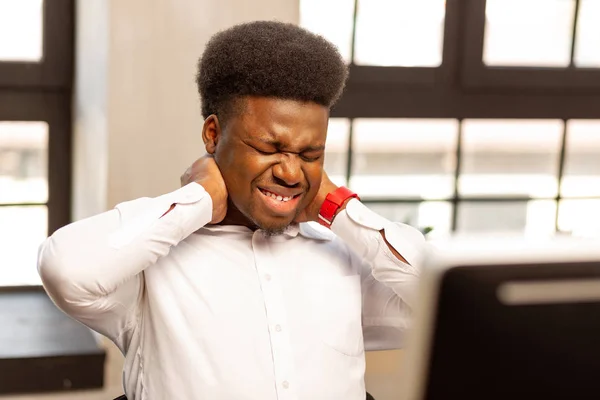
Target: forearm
[(93, 257), (391, 250)]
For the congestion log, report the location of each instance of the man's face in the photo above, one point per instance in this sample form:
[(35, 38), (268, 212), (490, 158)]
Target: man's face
[(271, 158)]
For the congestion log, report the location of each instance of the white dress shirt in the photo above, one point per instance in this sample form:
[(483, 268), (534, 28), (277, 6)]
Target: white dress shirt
[(224, 313)]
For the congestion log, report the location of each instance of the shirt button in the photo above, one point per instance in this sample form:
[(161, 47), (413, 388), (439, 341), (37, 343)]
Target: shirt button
[(278, 328), (285, 384), (267, 277)]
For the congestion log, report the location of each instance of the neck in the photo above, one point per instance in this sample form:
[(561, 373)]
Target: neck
[(235, 217)]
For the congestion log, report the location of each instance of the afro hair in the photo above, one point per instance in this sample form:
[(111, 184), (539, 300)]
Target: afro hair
[(268, 59)]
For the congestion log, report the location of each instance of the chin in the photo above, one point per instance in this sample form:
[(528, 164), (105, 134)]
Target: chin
[(273, 232), (273, 228)]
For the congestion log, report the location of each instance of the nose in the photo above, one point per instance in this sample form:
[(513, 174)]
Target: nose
[(288, 171)]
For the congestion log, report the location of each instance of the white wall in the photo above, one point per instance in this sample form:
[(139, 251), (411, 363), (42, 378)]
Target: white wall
[(137, 113), (90, 133)]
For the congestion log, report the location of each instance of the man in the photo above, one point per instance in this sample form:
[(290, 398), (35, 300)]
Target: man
[(221, 289)]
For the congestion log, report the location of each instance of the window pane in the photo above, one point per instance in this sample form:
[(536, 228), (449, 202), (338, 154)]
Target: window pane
[(529, 217), (510, 157), (336, 153), (404, 157), (332, 19), (22, 230), (588, 35), (580, 217), (21, 30), (582, 160), (528, 32), (400, 33), (23, 162), (430, 214)]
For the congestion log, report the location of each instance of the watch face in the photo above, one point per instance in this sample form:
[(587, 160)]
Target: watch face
[(332, 203), (327, 211)]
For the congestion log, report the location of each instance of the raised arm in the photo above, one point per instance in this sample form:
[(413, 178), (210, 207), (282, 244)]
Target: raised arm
[(92, 268), (387, 254)]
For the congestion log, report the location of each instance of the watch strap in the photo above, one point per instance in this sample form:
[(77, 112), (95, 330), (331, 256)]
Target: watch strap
[(332, 204)]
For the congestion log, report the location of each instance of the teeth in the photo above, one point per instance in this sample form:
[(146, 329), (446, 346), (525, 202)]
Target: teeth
[(276, 197)]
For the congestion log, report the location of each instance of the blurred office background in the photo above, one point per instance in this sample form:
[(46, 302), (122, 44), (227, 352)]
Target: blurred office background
[(465, 116)]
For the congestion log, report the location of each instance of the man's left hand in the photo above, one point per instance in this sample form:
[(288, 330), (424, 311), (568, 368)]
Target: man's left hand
[(311, 212)]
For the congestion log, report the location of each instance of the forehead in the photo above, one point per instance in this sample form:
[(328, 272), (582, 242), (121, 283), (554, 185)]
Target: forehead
[(286, 121)]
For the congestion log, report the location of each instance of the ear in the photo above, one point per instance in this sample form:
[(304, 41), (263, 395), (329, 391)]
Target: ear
[(211, 133)]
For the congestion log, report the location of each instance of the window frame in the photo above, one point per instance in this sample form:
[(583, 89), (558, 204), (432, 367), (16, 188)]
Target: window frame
[(42, 91), (54, 109), (475, 74), (464, 88), (425, 77), (55, 69), (401, 92)]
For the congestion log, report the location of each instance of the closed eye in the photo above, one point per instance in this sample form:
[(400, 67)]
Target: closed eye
[(310, 157), (264, 153)]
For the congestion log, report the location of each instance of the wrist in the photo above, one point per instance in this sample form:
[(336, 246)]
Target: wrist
[(342, 208), (213, 190), (334, 203), (218, 198)]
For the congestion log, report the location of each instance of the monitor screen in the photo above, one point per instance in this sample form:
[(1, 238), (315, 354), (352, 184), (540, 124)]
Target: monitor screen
[(490, 342), (507, 324)]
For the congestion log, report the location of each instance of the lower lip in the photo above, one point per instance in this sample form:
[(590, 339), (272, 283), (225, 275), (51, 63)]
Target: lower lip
[(280, 207)]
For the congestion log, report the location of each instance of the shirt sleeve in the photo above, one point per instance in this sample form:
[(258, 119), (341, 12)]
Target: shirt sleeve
[(92, 269), (388, 285)]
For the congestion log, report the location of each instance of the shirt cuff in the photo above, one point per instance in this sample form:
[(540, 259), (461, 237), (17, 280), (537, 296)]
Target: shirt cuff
[(406, 240), (190, 194)]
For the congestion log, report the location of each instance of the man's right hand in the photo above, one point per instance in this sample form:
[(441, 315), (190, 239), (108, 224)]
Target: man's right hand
[(205, 172)]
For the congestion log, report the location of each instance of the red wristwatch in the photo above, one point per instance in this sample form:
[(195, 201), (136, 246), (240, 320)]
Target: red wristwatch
[(332, 203)]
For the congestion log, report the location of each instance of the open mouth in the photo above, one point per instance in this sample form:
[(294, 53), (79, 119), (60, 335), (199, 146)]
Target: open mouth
[(276, 196), (278, 203)]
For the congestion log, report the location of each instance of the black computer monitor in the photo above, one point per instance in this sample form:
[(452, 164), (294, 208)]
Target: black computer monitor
[(507, 319)]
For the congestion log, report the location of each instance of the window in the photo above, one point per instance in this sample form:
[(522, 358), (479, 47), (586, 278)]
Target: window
[(580, 217), (364, 32), (587, 39), (471, 115), (317, 16), (379, 20), (404, 158), (376, 21), (336, 156), (530, 217), (510, 157), (579, 209), (582, 162), (534, 33), (35, 100), (531, 44), (24, 20), (542, 33)]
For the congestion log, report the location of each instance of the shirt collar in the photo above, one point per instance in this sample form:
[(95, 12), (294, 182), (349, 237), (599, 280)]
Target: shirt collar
[(310, 230)]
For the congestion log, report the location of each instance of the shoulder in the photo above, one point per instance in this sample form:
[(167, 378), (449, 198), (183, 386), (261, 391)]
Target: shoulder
[(325, 238)]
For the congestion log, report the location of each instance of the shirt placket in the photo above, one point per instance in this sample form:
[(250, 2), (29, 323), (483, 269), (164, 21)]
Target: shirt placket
[(281, 350)]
